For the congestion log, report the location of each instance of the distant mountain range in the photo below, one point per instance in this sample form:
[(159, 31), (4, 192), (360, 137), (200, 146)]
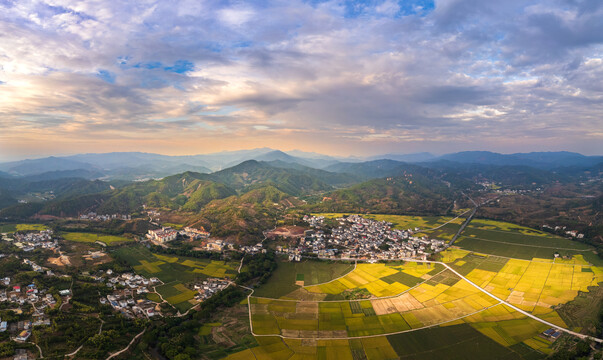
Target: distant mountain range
[(245, 196), (140, 166)]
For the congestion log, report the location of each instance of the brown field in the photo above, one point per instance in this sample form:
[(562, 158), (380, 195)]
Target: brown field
[(402, 303), (303, 294), (304, 307), (287, 231), (60, 261)]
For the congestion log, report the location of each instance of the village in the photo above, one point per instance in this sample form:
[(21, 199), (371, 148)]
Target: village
[(360, 238), (25, 297), (167, 234), (31, 240), (92, 216)]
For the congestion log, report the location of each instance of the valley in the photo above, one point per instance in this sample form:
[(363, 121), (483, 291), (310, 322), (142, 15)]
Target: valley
[(280, 260)]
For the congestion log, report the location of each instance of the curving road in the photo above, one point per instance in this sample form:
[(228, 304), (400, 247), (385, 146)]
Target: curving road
[(500, 301)]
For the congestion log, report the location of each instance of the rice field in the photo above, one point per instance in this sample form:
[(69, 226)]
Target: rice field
[(378, 279), (291, 276), (10, 228), (530, 284), (510, 240), (430, 303), (91, 238), (433, 343), (416, 310)]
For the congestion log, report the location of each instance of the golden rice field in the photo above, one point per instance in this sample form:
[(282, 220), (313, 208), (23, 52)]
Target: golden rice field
[(418, 310), (379, 279), (366, 328), (528, 284), (430, 303)]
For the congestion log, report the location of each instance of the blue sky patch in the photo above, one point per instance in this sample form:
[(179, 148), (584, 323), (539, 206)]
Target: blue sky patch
[(106, 75), (181, 67)]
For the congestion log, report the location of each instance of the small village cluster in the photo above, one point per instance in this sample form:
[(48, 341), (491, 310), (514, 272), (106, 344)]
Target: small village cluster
[(31, 240), (38, 298), (360, 238), (92, 216), (209, 288), (167, 234), (126, 286), (253, 249), (570, 233)]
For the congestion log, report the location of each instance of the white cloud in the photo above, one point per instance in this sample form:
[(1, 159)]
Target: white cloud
[(290, 68)]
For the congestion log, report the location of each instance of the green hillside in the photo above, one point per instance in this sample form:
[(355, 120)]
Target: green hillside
[(251, 173), (410, 193)]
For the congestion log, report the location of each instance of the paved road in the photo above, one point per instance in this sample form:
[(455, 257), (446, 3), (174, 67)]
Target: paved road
[(500, 301), (446, 223), (582, 336)]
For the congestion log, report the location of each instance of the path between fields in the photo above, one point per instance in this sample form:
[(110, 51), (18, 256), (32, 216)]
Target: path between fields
[(100, 330), (446, 223), (528, 245), (500, 301), (127, 347)]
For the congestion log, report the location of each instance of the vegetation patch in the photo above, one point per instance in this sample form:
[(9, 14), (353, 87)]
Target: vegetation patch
[(451, 342), (90, 238)]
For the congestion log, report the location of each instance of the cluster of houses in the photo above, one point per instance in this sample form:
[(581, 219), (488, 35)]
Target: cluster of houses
[(167, 234), (209, 288), (194, 233), (92, 216), (134, 282), (126, 286), (124, 302), (34, 266), (360, 238), (31, 240), (253, 249), (19, 295), (564, 230)]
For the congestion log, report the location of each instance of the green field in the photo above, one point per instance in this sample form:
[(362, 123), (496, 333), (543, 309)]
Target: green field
[(453, 342), (174, 272), (282, 282), (515, 241), (91, 238), (9, 228), (153, 297), (377, 280)]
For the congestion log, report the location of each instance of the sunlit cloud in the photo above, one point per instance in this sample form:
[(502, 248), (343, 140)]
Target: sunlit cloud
[(340, 77)]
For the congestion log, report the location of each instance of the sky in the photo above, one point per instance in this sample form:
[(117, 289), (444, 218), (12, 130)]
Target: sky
[(339, 78)]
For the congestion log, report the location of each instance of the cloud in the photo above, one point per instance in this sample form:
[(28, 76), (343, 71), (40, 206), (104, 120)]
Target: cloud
[(366, 76)]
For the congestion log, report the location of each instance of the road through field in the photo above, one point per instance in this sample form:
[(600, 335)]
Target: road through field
[(499, 300)]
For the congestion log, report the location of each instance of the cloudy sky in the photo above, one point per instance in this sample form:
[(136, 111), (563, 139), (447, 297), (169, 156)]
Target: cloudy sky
[(353, 77)]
